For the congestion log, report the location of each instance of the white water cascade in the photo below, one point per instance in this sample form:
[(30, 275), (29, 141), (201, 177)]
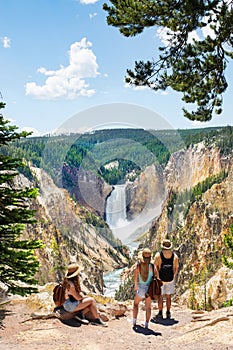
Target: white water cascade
[(116, 212), (116, 207), (116, 218)]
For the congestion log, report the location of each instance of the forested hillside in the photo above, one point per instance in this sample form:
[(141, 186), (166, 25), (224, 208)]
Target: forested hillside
[(127, 151), (193, 167)]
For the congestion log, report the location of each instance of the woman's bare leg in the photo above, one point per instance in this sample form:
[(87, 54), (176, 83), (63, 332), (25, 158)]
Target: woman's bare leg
[(137, 300), (148, 309), (89, 303)]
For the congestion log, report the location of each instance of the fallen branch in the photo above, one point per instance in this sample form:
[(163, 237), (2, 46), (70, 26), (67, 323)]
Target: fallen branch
[(41, 317), (220, 319), (200, 319), (60, 314)]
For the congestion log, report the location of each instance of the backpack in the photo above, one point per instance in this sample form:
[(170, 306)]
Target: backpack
[(59, 294), (166, 273)]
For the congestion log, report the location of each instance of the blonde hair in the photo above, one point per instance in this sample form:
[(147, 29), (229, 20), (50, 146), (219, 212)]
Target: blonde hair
[(75, 281), (144, 268)]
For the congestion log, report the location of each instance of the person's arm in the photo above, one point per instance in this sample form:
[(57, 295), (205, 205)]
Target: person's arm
[(72, 291), (136, 277), (157, 263), (175, 265), (156, 272)]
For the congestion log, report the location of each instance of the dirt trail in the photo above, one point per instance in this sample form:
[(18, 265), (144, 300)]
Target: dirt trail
[(208, 331)]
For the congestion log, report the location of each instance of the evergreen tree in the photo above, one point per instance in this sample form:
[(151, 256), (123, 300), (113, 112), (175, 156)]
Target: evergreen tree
[(195, 67), (18, 264), (228, 239)]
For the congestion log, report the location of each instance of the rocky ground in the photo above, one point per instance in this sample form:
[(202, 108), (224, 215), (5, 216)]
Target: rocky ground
[(187, 330)]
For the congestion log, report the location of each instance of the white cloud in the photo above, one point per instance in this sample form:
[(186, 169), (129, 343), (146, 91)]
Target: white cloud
[(141, 88), (134, 87), (207, 30), (197, 123), (88, 2), (92, 15), (6, 42), (193, 36), (165, 35), (68, 82)]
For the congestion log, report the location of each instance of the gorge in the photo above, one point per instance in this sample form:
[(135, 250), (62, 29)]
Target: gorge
[(188, 198)]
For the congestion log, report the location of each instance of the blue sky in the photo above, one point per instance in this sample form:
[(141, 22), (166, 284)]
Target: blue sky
[(60, 59)]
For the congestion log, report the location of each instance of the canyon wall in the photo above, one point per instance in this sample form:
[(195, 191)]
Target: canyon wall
[(70, 233)]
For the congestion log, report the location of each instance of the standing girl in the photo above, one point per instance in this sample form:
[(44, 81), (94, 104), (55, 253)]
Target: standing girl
[(143, 275)]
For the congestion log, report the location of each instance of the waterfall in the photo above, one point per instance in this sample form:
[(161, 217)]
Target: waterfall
[(116, 207), (115, 212), (116, 217)]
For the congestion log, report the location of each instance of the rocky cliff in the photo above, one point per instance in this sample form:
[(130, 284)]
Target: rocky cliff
[(87, 188), (70, 233), (197, 223), (146, 192), (184, 170), (188, 167)]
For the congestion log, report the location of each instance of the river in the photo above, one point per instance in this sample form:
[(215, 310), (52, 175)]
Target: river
[(116, 218), (112, 280)]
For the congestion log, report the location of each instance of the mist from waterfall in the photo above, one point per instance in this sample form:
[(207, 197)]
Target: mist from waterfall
[(116, 207), (116, 216)]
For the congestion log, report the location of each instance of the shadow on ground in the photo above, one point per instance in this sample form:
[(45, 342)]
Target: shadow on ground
[(3, 314), (145, 331), (165, 321), (71, 322), (66, 318)]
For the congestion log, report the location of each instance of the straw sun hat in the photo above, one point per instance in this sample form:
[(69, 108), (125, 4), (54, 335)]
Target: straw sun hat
[(146, 253), (73, 270)]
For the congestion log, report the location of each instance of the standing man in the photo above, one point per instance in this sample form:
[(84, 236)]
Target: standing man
[(167, 265)]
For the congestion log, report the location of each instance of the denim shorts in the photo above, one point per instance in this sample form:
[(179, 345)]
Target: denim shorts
[(70, 306), (142, 290)]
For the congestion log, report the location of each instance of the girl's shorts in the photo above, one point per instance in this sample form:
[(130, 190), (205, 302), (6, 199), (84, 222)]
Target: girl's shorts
[(142, 290), (70, 306)]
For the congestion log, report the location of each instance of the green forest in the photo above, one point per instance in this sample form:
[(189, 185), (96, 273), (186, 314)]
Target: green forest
[(128, 150)]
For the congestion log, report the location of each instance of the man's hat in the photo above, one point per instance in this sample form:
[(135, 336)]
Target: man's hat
[(166, 244)]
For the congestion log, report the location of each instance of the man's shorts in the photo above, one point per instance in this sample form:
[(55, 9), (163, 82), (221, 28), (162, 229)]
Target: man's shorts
[(168, 287)]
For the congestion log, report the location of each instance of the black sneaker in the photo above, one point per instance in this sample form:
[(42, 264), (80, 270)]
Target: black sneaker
[(157, 317), (79, 317), (99, 322), (168, 314)]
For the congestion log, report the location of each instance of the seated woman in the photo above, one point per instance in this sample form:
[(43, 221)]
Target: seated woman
[(75, 299)]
